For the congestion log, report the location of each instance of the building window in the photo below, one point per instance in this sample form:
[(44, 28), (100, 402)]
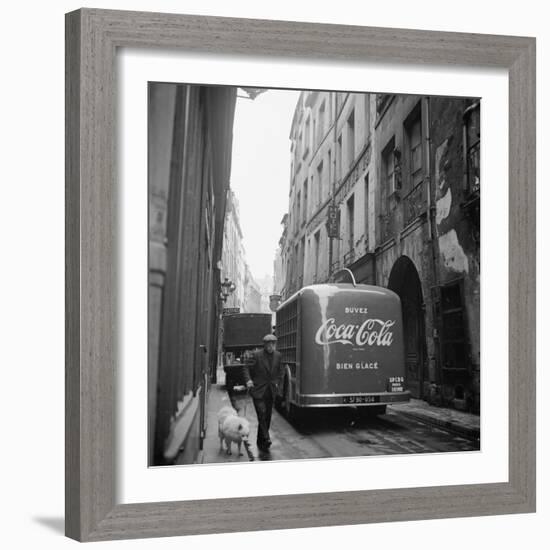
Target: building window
[(295, 266), (339, 158), (388, 169), (314, 196), (350, 145), (321, 123), (350, 211), (320, 184), (471, 146), (413, 133), (329, 173), (453, 333), (298, 211), (367, 117), (315, 140), (304, 215), (307, 132), (317, 239)]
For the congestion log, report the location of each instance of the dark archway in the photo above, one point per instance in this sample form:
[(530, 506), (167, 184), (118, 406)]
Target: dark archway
[(404, 281)]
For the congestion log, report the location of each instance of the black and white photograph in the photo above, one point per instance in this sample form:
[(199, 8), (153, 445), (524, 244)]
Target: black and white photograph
[(243, 300), (314, 274)]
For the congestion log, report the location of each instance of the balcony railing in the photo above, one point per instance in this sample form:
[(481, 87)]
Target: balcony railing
[(386, 227), (414, 203)]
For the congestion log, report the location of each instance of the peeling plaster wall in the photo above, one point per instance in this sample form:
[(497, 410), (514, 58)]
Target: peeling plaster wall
[(439, 174), (457, 242), (453, 256), (453, 253), (443, 207)]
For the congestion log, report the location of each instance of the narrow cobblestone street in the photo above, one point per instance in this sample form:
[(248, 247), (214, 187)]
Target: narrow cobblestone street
[(345, 433)]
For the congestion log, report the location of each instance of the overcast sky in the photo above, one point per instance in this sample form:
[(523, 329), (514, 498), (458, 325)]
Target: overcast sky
[(260, 172)]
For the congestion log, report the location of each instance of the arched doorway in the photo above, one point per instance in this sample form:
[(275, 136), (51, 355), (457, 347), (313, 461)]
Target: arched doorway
[(405, 282)]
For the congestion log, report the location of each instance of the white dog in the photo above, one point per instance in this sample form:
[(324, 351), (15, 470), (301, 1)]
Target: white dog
[(232, 428)]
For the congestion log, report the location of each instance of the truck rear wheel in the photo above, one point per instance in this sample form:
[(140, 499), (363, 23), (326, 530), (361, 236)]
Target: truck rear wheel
[(289, 410)]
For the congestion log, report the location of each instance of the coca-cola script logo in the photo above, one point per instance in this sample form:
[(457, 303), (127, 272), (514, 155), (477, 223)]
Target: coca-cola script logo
[(372, 332)]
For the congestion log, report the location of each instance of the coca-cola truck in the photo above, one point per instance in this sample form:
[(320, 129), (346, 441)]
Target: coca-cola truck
[(242, 334), (341, 346)]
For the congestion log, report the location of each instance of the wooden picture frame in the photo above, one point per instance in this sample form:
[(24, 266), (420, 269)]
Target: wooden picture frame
[(92, 39)]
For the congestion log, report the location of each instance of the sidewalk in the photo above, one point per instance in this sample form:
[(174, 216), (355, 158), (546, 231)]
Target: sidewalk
[(462, 423), (218, 398)]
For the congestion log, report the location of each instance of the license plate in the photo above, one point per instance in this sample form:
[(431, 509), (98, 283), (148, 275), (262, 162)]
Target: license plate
[(352, 399)]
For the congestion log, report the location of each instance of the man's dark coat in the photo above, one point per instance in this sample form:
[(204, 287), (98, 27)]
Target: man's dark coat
[(265, 372)]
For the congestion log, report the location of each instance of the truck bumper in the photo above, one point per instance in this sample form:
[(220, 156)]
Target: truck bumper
[(352, 400)]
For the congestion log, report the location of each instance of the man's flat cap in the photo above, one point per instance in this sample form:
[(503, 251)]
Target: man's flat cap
[(270, 338)]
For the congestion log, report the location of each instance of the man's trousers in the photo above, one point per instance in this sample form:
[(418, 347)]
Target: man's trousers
[(264, 408)]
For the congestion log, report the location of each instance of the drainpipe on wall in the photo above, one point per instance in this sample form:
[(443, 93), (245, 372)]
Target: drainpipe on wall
[(431, 189), (433, 235)]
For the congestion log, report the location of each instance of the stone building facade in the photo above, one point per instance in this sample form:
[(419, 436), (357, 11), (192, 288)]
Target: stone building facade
[(279, 268), (247, 294), (330, 153), (265, 284), (233, 254), (397, 178), (253, 293), (189, 161)]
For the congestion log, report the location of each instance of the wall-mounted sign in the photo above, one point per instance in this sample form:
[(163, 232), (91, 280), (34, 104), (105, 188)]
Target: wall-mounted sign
[(333, 222)]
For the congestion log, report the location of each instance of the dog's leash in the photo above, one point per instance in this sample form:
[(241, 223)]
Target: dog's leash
[(249, 451)]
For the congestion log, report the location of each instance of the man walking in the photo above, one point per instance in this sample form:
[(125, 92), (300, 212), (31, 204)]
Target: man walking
[(263, 376)]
